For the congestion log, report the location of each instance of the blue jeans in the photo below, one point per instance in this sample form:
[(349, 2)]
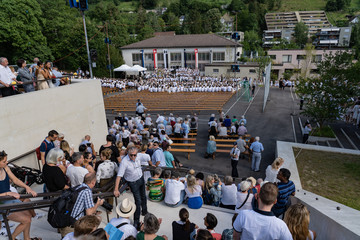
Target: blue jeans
[(182, 196), (138, 190), (256, 159)]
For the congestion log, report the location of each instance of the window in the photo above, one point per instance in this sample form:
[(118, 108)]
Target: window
[(218, 56), (176, 57), (300, 57), (272, 56), (204, 56), (317, 58), (347, 30), (190, 56), (201, 67), (149, 57), (150, 66), (252, 71), (215, 70), (160, 57), (286, 58), (136, 57)]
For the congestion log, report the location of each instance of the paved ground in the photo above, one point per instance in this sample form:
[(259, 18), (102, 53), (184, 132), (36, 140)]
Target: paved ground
[(272, 125)]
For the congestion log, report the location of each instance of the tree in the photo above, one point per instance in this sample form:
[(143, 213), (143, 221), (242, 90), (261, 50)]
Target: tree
[(212, 20), (301, 34), (252, 41), (355, 39), (326, 94), (306, 66), (21, 35), (236, 5)]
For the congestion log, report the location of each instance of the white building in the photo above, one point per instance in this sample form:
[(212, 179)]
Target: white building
[(178, 51)]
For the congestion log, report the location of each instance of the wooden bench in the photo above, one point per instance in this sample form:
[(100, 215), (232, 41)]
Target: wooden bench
[(184, 144), (192, 134), (188, 151), (225, 140), (183, 139)]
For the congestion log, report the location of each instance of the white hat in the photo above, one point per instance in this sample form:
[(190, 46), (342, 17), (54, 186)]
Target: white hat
[(126, 208)]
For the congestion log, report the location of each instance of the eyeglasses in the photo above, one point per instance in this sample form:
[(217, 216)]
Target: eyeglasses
[(132, 155)]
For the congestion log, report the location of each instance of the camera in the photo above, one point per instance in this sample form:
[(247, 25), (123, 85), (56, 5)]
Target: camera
[(105, 205)]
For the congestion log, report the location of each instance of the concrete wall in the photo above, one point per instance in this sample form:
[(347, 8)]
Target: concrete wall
[(326, 219), (74, 110)]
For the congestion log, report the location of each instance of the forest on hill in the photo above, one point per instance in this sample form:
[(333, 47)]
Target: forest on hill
[(51, 30)]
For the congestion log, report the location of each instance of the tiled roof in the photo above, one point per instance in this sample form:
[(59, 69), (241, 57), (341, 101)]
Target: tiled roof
[(183, 41)]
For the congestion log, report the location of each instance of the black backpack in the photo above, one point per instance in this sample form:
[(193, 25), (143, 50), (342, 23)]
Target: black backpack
[(59, 215)]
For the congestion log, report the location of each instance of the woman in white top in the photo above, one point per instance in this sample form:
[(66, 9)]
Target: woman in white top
[(273, 169), (106, 170), (244, 197), (193, 192), (297, 218), (145, 160), (228, 194), (222, 131)]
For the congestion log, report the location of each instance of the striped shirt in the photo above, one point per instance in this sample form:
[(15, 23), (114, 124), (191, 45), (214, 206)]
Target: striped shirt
[(285, 190)]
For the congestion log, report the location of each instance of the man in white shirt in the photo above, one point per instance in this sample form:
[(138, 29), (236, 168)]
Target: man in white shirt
[(140, 109), (130, 169), (267, 226), (75, 172), (175, 191), (158, 157), (125, 210), (6, 78)]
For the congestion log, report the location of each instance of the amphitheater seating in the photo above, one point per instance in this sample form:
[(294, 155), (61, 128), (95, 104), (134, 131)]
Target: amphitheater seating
[(163, 101)]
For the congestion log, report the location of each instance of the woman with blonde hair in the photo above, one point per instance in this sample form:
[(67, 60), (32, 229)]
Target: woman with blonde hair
[(193, 192), (297, 218), (211, 194), (273, 169), (211, 147)]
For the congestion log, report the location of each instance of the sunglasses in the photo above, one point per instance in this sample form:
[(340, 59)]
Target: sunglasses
[(133, 155)]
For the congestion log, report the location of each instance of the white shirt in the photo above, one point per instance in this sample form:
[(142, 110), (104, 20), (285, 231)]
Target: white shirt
[(129, 169), (173, 190), (228, 194), (76, 174), (127, 229), (5, 76), (240, 198), (107, 169), (222, 131), (236, 152), (69, 236), (196, 193), (261, 225), (271, 174)]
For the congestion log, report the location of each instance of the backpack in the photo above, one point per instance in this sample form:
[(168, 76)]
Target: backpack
[(37, 150), (59, 215)]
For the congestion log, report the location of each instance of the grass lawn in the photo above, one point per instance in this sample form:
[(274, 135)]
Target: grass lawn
[(332, 175)]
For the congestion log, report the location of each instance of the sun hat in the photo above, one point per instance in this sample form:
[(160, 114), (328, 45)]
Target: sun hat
[(126, 208)]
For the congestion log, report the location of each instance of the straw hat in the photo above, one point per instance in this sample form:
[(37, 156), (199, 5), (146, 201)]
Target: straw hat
[(126, 208)]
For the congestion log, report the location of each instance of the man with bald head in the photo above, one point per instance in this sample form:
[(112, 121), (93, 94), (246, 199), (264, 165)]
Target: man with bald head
[(6, 78)]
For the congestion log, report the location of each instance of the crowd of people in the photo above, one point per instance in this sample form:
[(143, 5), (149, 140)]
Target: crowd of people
[(179, 80), (38, 76), (129, 147), (352, 115)]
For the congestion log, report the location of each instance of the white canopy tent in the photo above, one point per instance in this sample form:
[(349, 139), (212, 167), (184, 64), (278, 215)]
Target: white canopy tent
[(122, 68)]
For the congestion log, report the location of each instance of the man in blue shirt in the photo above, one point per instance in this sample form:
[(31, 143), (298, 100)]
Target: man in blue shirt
[(158, 157), (256, 148), (47, 145), (286, 188)]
